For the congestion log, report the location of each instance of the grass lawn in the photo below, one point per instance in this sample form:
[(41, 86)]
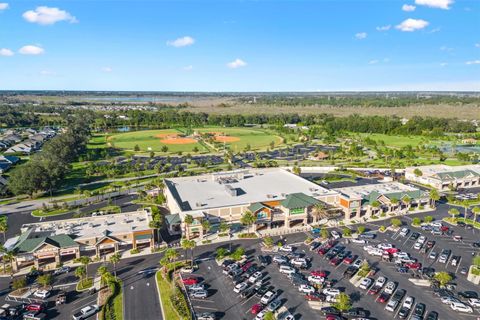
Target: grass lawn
[(398, 141), (41, 213), (166, 290), (84, 284), (118, 305), (97, 141)]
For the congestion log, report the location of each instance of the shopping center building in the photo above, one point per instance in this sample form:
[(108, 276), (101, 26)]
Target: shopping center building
[(275, 196), (49, 244), (443, 177)]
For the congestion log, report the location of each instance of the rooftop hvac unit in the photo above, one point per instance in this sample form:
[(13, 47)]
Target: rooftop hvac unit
[(231, 190)]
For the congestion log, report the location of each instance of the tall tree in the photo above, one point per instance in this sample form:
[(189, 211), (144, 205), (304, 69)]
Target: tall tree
[(248, 219)]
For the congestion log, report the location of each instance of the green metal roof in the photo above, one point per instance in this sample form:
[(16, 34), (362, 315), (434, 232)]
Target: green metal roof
[(143, 236), (452, 175), (254, 207), (30, 245), (298, 200), (173, 219), (415, 194)]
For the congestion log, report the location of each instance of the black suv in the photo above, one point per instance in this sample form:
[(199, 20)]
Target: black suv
[(418, 312)]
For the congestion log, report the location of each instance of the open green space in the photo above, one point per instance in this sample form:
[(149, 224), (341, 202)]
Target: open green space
[(399, 140)]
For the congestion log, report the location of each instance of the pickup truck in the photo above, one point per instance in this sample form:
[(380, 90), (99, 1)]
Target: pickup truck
[(86, 312)]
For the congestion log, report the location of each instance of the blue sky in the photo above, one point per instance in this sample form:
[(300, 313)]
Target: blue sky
[(240, 45)]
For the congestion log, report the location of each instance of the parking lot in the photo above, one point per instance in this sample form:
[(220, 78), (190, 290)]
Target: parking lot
[(226, 304)]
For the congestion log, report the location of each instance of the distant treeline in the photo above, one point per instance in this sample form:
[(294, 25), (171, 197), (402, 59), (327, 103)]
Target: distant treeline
[(26, 115), (361, 101), (353, 123), (46, 170)]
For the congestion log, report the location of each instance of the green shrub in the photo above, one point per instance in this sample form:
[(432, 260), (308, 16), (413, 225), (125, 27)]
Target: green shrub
[(247, 235), (178, 300), (134, 251)]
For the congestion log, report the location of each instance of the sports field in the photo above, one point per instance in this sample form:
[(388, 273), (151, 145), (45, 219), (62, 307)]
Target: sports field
[(399, 141), (179, 140)]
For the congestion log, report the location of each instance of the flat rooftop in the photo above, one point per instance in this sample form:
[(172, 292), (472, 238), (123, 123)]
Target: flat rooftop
[(90, 227), (239, 187), (359, 192), (440, 168)]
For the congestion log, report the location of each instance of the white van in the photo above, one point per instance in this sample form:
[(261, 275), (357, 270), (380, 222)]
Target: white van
[(287, 270)]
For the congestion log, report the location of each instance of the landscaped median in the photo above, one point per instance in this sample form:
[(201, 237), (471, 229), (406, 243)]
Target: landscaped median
[(172, 300), (113, 297), (47, 213)]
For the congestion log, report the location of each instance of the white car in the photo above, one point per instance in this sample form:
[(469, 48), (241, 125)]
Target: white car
[(335, 234), (436, 224), (422, 239), (461, 307), (255, 277), (401, 254), (408, 303), (449, 300), (368, 248), (42, 294), (404, 232), (376, 252), (365, 284), (417, 245), (390, 287), (274, 305), (355, 240), (331, 292), (287, 270), (316, 279), (392, 305), (380, 282), (358, 263), (432, 255), (86, 312), (299, 262), (267, 297), (306, 289), (474, 302), (286, 248), (384, 246), (261, 314), (240, 287)]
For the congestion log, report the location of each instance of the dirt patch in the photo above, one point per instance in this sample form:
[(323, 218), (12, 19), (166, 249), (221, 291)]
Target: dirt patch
[(178, 141), (166, 135), (226, 139)]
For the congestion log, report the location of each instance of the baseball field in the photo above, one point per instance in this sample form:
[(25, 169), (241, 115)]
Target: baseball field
[(201, 139)]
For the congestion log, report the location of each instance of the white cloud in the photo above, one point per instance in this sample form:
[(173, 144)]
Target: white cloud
[(48, 73), (31, 50), (477, 45), (408, 8), (46, 16), (410, 25), (3, 6), (441, 4), (361, 35), (473, 62), (181, 42), (375, 61), (188, 68), (237, 63), (384, 28), (107, 69), (434, 30), (445, 48), (4, 52), (443, 64)]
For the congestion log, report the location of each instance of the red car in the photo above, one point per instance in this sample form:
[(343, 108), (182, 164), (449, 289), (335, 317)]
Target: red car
[(256, 308), (335, 261), (413, 265), (444, 228), (322, 251), (190, 281), (383, 298), (315, 297), (392, 250), (37, 307), (246, 266), (330, 244), (349, 259), (319, 273), (333, 317)]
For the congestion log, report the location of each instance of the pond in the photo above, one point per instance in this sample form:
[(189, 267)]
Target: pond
[(465, 148)]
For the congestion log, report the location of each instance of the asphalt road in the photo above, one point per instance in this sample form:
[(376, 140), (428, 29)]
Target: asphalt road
[(140, 297)]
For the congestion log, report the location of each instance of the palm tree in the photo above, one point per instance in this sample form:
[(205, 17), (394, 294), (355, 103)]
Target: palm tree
[(206, 227), (375, 204), (476, 211), (85, 261), (3, 228), (407, 200), (80, 272), (188, 221), (465, 205), (319, 212), (434, 196), (172, 255), (248, 219), (454, 212), (8, 256), (102, 271), (394, 201), (188, 244), (114, 259)]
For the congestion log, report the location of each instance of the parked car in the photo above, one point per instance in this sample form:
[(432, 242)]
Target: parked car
[(390, 287), (206, 316), (461, 307), (287, 269), (42, 294), (189, 281), (240, 287), (365, 283), (280, 259), (404, 232), (199, 294), (267, 297), (274, 305), (419, 311), (383, 297), (61, 270), (256, 308), (335, 234), (432, 315), (86, 312), (286, 248), (306, 289)]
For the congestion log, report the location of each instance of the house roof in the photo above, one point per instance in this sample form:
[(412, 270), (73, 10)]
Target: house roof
[(414, 194), (298, 200), (30, 245)]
